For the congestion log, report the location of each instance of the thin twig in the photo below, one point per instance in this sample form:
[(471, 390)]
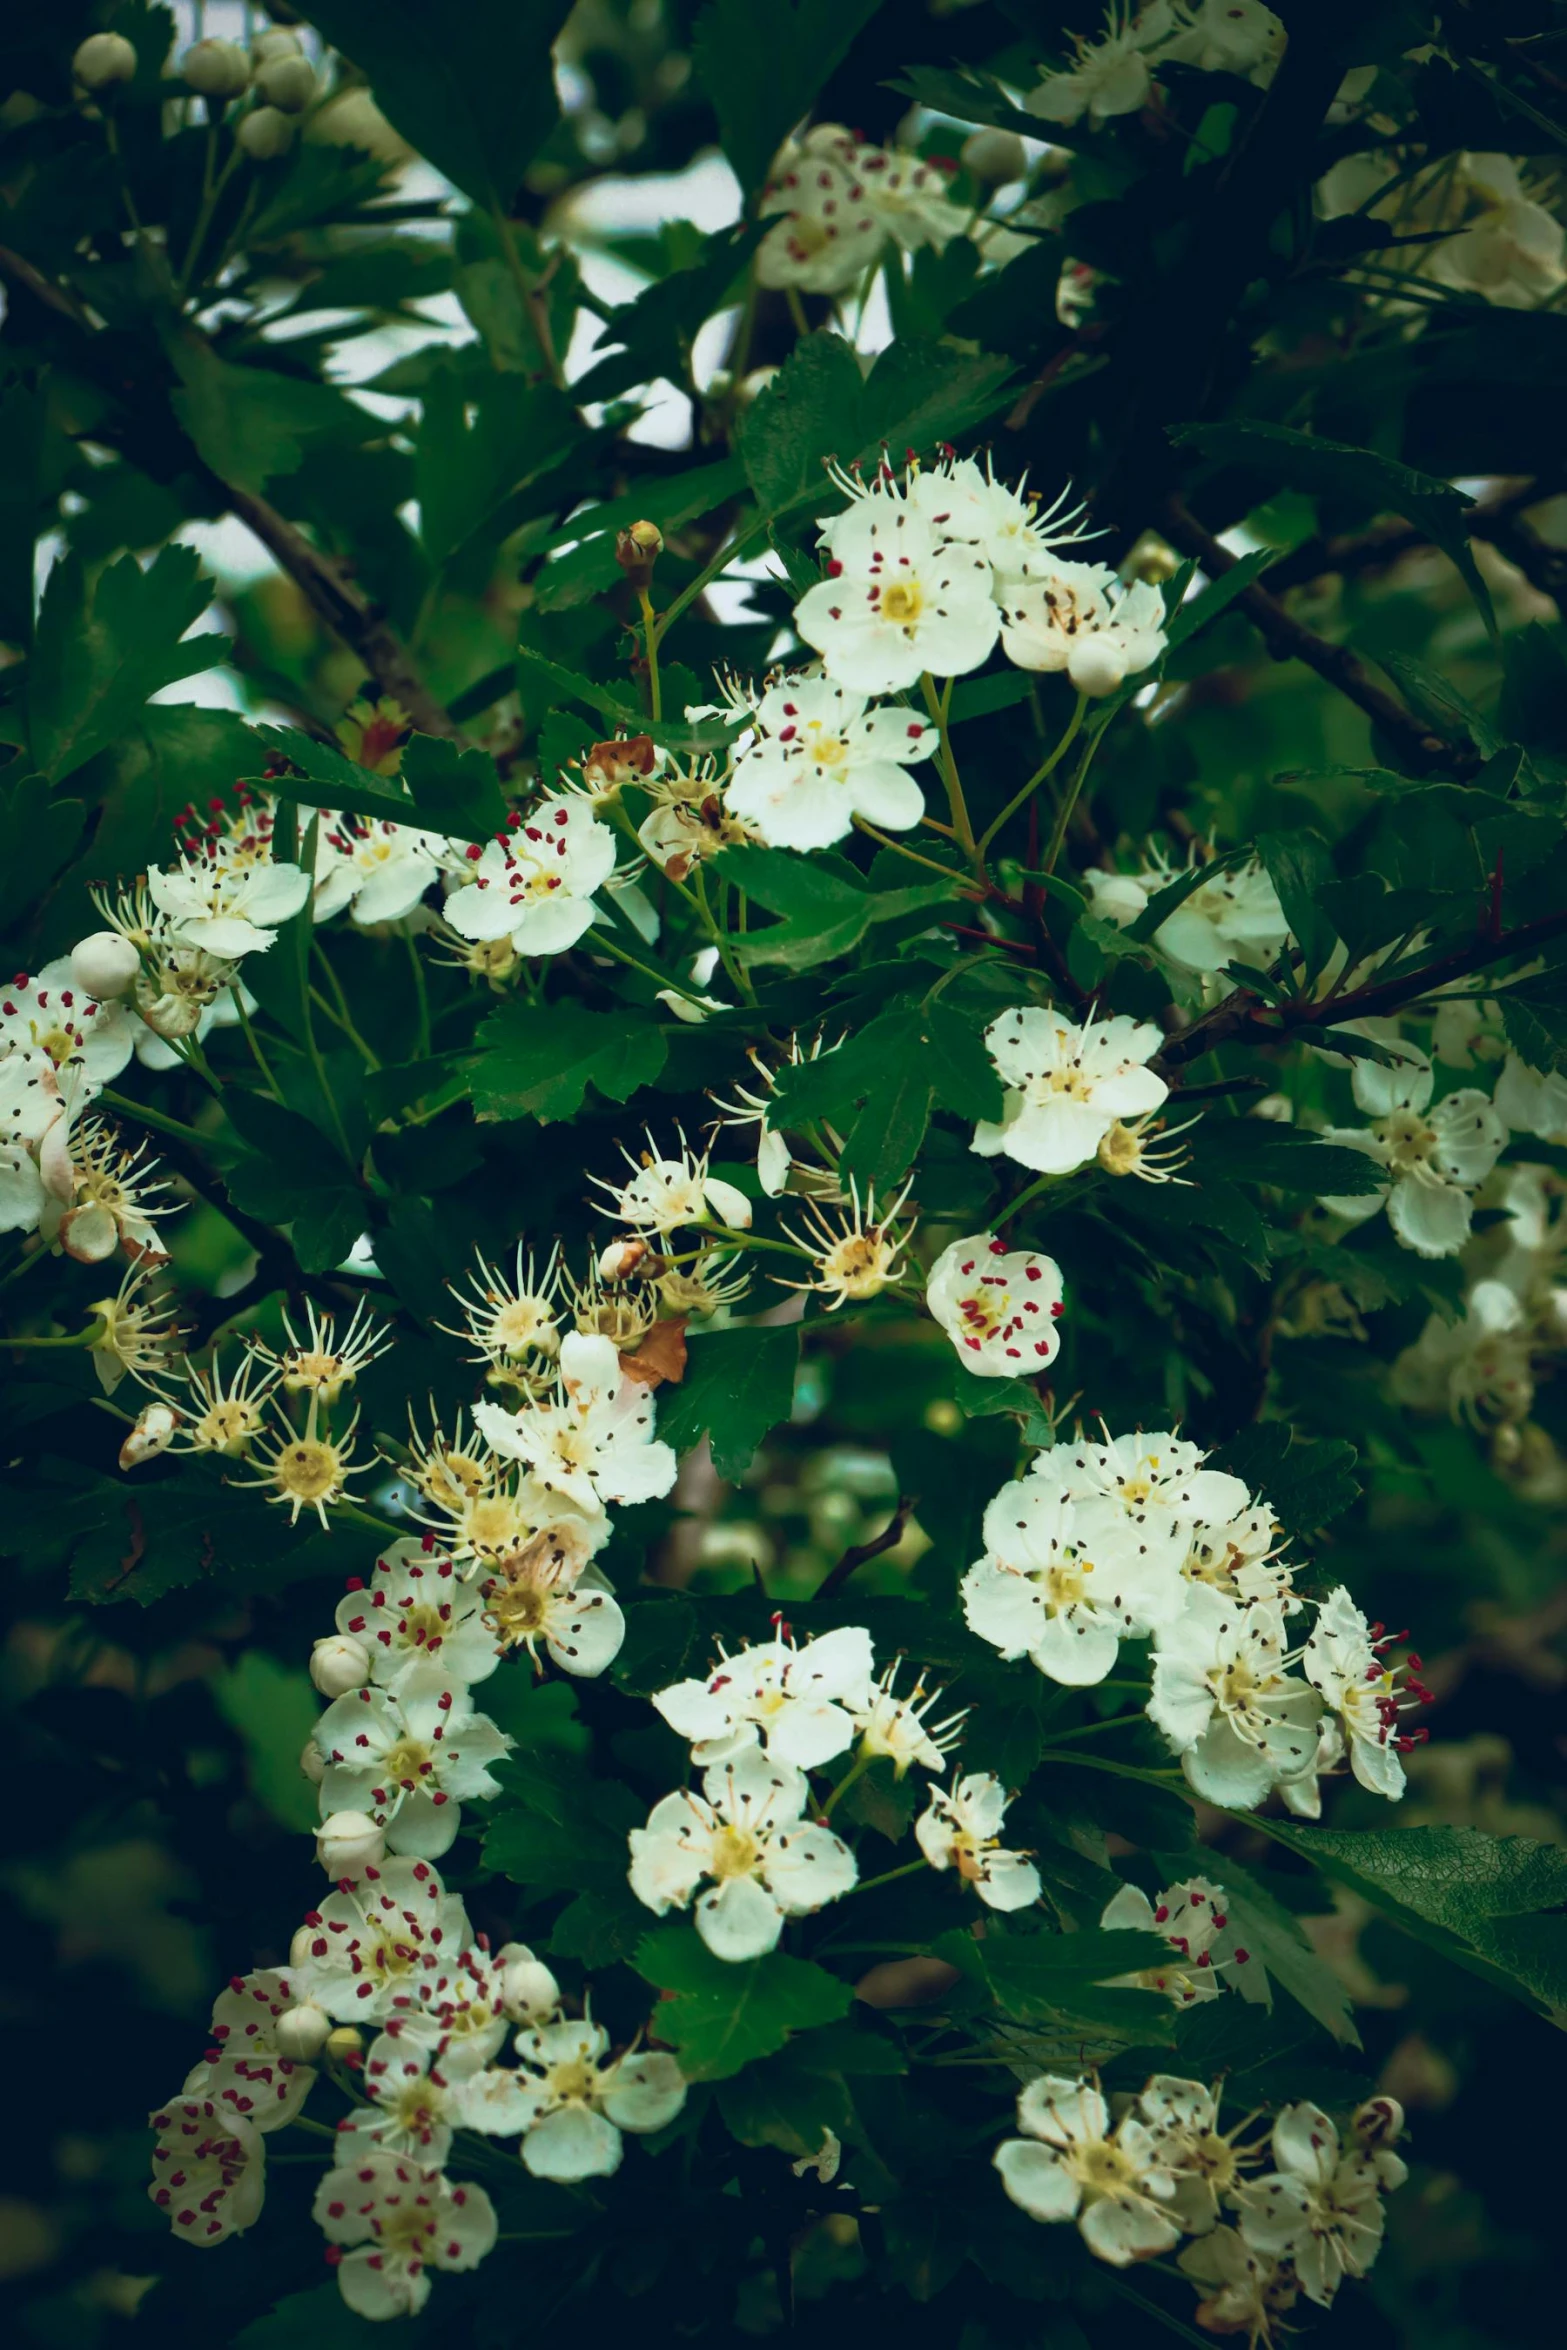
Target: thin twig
[(888, 1539)]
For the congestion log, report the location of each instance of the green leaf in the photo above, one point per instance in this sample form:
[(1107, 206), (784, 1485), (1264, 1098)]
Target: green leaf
[(656, 331), (449, 790), (1363, 477), (1297, 864), (472, 456), (720, 2017), (824, 914), (1050, 1978), (1534, 1015), (1434, 698), (565, 684), (782, 2103), (1195, 613), (538, 1060), (101, 652), (1266, 1930), (37, 834), (1492, 1904), (556, 1828), (806, 41), (1263, 1150), (251, 424), (292, 1175), (1308, 1480), (738, 1387), (275, 1715), (601, 1928), (473, 90)]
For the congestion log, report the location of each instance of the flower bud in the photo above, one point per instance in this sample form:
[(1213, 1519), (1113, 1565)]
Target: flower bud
[(302, 2032), (348, 1842), (1379, 2121), (339, 1663), (172, 1014), (276, 41), (621, 1259), (264, 134), (637, 550), (1096, 666), (625, 759), (216, 69), (345, 2044), (312, 1763), (102, 60), (996, 157), (149, 1436), (528, 1989), (89, 1234), (288, 83), (104, 965)]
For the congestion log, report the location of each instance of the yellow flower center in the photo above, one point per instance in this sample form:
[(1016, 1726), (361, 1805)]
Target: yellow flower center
[(406, 1763), (1102, 2170), (227, 1427), (902, 603), (310, 1470), (1408, 1138), (735, 1854)]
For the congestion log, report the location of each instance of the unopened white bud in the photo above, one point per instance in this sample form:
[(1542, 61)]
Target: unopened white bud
[(345, 2041), (276, 41), (1096, 666), (1379, 2121), (302, 2032), (339, 1663), (620, 1260), (149, 1436), (997, 157), (104, 965), (348, 1842), (103, 59), (288, 83), (312, 1763), (216, 69), (528, 1989), (264, 134), (89, 1234)]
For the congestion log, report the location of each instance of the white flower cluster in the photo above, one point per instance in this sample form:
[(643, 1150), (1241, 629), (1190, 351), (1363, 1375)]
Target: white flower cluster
[(1482, 1365), (838, 202), (1138, 2175), (1114, 74), (1134, 1538), (1232, 916), (1491, 233)]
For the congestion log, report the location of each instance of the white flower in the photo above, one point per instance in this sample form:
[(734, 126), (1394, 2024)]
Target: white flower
[(226, 896), (859, 1256), (961, 1829), (829, 235), (1478, 1367), (377, 870), (208, 2169), (411, 2109), (549, 1592), (373, 1945), (797, 1703), (245, 2070), (822, 757), (510, 1320), (410, 1759), (1045, 1591), (51, 1015), (1344, 1660), (1223, 1698), (415, 1611), (534, 884), (667, 1195), (746, 1836), (1067, 1086), (998, 1307), (1435, 1159), (907, 197), (1110, 76), (900, 600), (969, 508), (1532, 1101), (773, 1159), (22, 1194), (1080, 618), (461, 2008), (1151, 1489), (398, 2222), (1232, 917), (1322, 2207), (1240, 1557), (1229, 36), (1072, 2165), (1192, 1918), (825, 2162), (1514, 252), (899, 1728), (595, 1444), (105, 1196), (1247, 2293), (1206, 2162), (570, 2101)]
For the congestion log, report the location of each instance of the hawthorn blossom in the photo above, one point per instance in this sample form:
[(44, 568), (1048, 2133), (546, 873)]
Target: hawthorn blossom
[(1081, 618), (829, 235), (960, 1829), (208, 2169), (901, 1730), (410, 1758), (667, 1195), (1345, 1660), (1224, 1699), (998, 1307), (967, 507), (375, 1942), (1532, 1101), (534, 883), (1240, 1557), (797, 1703), (53, 1016), (1108, 76), (460, 2010), (227, 897), (1205, 2161), (569, 2100), (511, 1321), (1072, 2165), (376, 870), (1228, 36), (1232, 916), (1247, 2291), (396, 2221), (245, 2070), (1046, 1590), (23, 1197), (746, 1837), (1435, 1159), (1192, 1918), (1514, 251), (820, 757), (415, 1611), (907, 197), (1321, 2209), (1151, 1489), (549, 1592), (103, 1197), (899, 600), (411, 2109), (595, 1443), (1067, 1086)]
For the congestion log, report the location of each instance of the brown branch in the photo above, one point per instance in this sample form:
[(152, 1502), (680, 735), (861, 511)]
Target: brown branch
[(1499, 521), (888, 1539), (1288, 639), (1239, 1020)]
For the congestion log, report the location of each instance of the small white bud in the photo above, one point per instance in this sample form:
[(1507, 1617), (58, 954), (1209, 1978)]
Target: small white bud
[(1096, 666), (103, 59), (288, 83), (997, 157), (302, 2032), (339, 1663), (620, 1260), (312, 1763), (216, 69), (528, 1989), (149, 1436), (349, 1842), (89, 1234), (345, 2041), (277, 41), (104, 965), (264, 134)]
